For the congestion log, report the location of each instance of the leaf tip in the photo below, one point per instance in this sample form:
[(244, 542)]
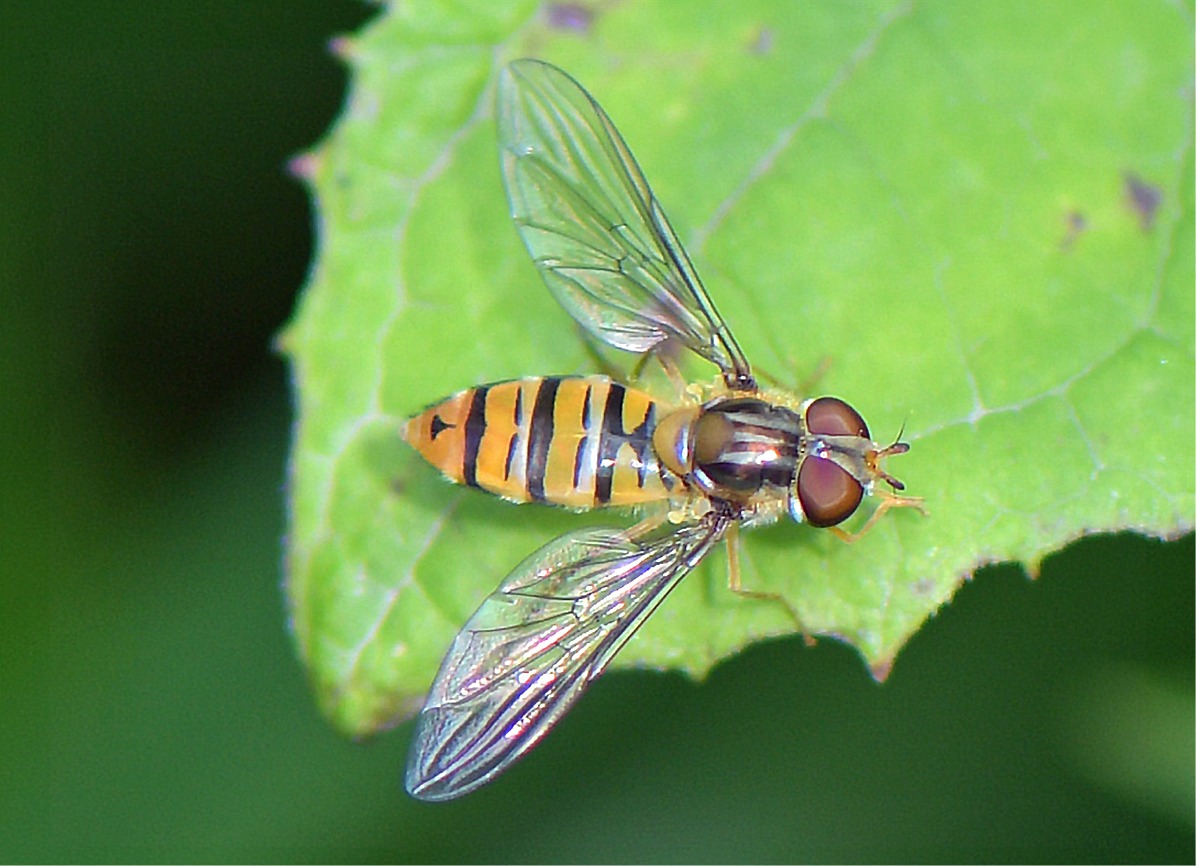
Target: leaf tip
[(880, 669), (343, 47), (305, 166)]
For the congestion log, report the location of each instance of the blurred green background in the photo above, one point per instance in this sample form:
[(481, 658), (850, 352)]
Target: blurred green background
[(153, 708)]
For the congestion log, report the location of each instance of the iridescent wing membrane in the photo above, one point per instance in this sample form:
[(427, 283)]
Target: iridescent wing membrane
[(593, 227), (538, 641)]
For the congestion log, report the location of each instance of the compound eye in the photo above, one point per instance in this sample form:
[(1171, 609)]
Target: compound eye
[(828, 494), (830, 416)]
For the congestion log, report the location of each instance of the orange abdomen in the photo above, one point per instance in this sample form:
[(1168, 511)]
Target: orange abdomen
[(577, 441)]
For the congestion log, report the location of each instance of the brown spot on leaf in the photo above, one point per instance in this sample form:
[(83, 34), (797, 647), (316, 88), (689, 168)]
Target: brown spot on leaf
[(1143, 198), (761, 41), (1074, 226), (570, 16)]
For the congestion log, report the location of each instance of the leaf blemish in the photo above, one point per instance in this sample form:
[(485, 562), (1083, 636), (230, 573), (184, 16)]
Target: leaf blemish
[(570, 16), (761, 41), (1143, 198), (1075, 227)]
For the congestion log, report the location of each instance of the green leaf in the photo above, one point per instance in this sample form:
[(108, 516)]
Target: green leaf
[(975, 219)]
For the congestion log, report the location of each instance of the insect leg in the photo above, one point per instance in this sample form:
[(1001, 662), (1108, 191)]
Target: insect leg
[(673, 373), (647, 525), (808, 385), (888, 501), (734, 584)]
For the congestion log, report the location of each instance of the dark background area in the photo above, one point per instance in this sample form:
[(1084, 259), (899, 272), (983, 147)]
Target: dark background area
[(152, 705)]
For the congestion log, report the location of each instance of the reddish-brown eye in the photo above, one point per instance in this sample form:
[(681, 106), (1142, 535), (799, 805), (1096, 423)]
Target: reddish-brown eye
[(831, 416), (827, 493)]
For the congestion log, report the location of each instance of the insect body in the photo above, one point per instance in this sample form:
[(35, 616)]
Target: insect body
[(736, 456)]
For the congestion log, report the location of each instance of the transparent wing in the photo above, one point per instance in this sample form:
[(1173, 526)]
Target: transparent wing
[(534, 646), (594, 229)]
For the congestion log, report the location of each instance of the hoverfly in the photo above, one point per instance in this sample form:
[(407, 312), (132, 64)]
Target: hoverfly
[(741, 456)]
